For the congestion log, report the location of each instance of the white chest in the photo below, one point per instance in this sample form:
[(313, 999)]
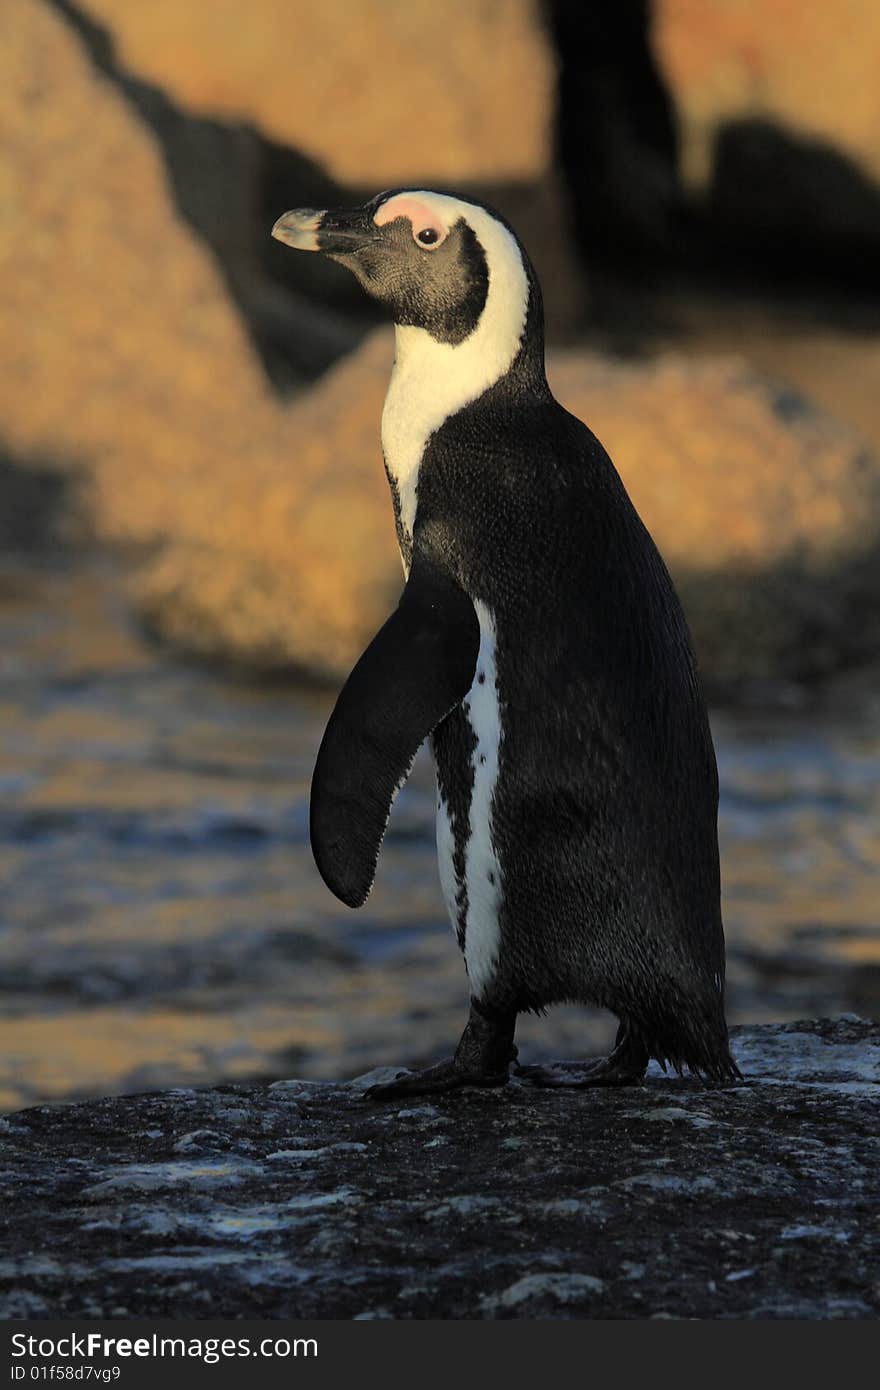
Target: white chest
[(409, 419), (432, 381)]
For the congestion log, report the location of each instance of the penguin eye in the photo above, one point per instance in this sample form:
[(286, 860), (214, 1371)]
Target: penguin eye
[(428, 238)]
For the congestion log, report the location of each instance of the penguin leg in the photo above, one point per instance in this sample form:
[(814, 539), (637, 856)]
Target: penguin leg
[(624, 1066), (482, 1058)]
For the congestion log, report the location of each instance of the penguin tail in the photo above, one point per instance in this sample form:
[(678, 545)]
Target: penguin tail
[(717, 1068), (694, 1041)]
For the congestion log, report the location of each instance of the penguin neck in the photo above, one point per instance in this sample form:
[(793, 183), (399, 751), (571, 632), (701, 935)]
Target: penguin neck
[(505, 346), (436, 379), (432, 380)]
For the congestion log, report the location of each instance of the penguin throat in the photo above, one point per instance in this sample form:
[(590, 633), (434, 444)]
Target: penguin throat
[(433, 380)]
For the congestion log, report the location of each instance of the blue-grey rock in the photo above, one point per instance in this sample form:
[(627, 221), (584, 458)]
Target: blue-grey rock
[(302, 1199)]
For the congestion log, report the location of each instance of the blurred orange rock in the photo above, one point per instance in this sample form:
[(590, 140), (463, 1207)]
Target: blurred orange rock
[(269, 525), (811, 68), (767, 512), (369, 94), (123, 354), (378, 91), (289, 559)]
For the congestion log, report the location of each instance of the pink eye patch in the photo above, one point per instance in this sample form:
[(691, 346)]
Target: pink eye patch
[(420, 215)]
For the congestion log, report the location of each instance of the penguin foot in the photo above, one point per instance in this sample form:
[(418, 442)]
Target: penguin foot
[(482, 1058), (625, 1066), (445, 1076)]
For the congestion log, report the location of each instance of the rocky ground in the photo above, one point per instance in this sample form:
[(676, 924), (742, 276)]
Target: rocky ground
[(302, 1199)]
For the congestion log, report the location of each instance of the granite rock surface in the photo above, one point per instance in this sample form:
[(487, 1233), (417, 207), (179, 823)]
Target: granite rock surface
[(305, 1200)]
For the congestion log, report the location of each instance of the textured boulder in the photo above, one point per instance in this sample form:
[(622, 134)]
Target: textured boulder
[(376, 90), (789, 64), (130, 366), (283, 112), (778, 114), (304, 1200), (765, 510), (127, 354), (292, 561), (268, 526)]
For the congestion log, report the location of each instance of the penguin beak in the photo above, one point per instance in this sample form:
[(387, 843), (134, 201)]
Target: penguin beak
[(336, 232), (299, 229)]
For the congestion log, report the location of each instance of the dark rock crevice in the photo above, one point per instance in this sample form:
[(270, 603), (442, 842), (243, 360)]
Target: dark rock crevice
[(40, 506), (616, 133), (781, 212), (793, 209)]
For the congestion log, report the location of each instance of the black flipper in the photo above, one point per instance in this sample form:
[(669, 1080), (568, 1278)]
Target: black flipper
[(417, 668)]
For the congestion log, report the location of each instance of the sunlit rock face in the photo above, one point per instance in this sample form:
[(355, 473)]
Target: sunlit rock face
[(766, 58), (302, 1199), (765, 509), (778, 115), (311, 104), (377, 92), (131, 369), (136, 363)]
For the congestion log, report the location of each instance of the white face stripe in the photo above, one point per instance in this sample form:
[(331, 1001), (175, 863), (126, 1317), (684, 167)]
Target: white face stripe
[(482, 869), (433, 380)]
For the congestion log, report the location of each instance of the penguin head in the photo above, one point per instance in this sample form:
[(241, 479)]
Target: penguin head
[(430, 258)]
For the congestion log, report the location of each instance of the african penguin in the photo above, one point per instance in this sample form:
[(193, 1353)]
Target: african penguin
[(540, 646)]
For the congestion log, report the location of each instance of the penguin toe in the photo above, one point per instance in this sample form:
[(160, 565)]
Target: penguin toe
[(445, 1076)]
